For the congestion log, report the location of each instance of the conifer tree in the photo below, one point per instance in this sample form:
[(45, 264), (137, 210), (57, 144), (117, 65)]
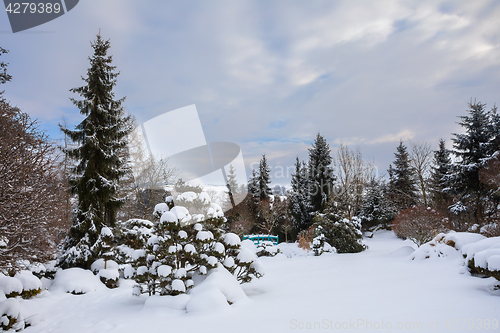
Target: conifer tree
[(376, 210), (265, 191), (298, 200), (253, 186), (402, 190), (439, 174), (474, 149), (320, 174), (101, 138)]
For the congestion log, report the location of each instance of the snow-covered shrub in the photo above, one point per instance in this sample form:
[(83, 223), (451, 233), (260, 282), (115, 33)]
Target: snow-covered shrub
[(106, 268), (483, 257), (320, 246), (10, 315), (11, 287), (420, 224), (490, 230), (76, 281), (341, 233), (267, 249), (181, 244), (32, 285), (445, 245)]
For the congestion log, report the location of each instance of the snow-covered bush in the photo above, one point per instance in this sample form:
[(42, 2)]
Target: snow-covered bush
[(267, 249), (445, 245), (106, 268), (32, 285), (76, 281), (483, 257), (182, 244), (320, 246), (420, 224), (11, 287), (341, 233), (10, 315)]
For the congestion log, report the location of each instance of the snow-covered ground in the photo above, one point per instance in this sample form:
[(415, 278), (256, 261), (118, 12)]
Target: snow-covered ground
[(378, 290)]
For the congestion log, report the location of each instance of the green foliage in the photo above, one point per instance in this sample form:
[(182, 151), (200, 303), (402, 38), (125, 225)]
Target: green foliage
[(320, 174), (402, 190), (101, 140), (27, 294), (341, 233)]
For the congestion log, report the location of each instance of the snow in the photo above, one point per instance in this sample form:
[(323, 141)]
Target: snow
[(215, 211), (164, 270), (372, 286), (9, 285), (182, 214), (161, 208), (232, 239), (189, 248), (204, 235), (169, 217), (204, 197), (172, 302), (10, 307), (246, 256), (109, 273), (28, 280), (187, 196), (99, 264), (106, 232), (76, 281), (182, 234), (219, 247), (215, 292), (178, 285)]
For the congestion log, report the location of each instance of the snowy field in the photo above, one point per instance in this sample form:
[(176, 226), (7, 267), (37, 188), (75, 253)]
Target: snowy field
[(378, 290)]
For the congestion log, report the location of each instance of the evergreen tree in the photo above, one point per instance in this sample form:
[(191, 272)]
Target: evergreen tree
[(376, 210), (101, 138), (334, 228), (298, 201), (320, 174), (253, 186), (402, 189), (264, 179), (440, 172), (474, 149)]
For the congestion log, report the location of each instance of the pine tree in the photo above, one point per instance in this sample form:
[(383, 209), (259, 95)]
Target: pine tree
[(101, 137), (402, 190), (474, 149), (439, 174), (264, 179), (376, 210), (320, 174), (298, 200)]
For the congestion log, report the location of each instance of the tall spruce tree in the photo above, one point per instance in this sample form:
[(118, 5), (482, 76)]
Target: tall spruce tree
[(402, 190), (298, 201), (265, 191), (320, 174), (100, 163), (474, 149), (439, 175)]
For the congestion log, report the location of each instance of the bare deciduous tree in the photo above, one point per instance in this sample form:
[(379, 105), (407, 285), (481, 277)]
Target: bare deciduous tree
[(352, 175), (420, 160), (32, 190)]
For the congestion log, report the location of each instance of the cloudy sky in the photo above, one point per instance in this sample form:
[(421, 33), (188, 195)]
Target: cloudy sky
[(269, 75)]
